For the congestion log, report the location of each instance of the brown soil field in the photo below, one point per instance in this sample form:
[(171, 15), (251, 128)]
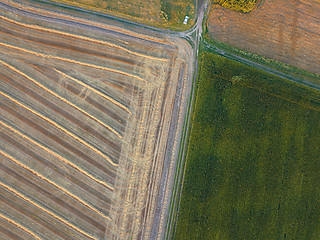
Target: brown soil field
[(85, 112), (284, 30)]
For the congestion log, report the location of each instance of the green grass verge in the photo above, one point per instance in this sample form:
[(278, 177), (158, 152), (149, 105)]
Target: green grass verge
[(304, 75), (253, 164), (167, 14), (173, 13)]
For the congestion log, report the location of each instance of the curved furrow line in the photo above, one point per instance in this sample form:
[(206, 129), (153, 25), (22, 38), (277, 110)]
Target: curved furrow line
[(95, 91), (61, 98), (121, 87), (105, 106), (18, 225), (29, 200), (39, 175), (58, 156), (61, 128)]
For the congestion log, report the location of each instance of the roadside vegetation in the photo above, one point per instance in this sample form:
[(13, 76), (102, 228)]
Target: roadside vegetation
[(160, 13), (306, 77), (173, 13), (252, 167), (237, 5)]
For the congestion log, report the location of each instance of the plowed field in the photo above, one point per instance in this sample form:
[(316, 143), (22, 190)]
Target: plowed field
[(85, 109), (288, 31)]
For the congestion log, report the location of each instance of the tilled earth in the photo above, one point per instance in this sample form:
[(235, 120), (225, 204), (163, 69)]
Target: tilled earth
[(285, 30)]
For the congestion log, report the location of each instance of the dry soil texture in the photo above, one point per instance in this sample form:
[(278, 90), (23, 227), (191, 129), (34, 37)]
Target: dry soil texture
[(139, 9), (85, 110), (158, 13), (285, 30)]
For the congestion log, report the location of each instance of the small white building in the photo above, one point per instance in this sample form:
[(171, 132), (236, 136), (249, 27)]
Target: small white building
[(185, 21)]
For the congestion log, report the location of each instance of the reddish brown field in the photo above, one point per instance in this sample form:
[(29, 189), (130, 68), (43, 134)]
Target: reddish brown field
[(285, 30), (85, 111)]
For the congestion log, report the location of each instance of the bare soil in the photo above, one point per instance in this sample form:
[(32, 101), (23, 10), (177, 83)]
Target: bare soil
[(284, 30)]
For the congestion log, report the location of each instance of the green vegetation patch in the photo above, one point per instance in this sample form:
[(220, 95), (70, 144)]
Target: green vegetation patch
[(159, 13), (238, 5), (304, 76), (173, 12), (253, 160)]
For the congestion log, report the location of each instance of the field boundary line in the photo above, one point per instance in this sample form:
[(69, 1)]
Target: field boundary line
[(95, 91), (82, 38), (66, 161), (261, 65)]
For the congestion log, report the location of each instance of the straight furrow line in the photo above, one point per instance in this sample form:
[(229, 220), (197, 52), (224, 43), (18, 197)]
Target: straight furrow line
[(61, 128), (62, 45), (27, 199), (20, 227), (72, 61), (76, 19), (95, 91), (82, 37), (57, 156), (40, 98), (61, 98), (53, 183), (34, 156)]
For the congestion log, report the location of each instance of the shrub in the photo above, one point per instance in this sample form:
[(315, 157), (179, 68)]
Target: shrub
[(238, 5)]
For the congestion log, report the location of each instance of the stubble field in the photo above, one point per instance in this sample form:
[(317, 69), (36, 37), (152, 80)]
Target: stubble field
[(85, 110), (287, 31)]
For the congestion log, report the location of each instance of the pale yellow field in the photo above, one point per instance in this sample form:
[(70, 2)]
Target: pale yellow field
[(85, 111)]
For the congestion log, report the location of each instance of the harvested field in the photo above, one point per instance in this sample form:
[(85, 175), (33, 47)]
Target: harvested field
[(85, 110), (287, 31)]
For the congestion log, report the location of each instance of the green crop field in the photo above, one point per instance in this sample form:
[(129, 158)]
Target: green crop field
[(253, 159)]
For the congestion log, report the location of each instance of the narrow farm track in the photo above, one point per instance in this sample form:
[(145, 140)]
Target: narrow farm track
[(85, 112)]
